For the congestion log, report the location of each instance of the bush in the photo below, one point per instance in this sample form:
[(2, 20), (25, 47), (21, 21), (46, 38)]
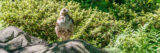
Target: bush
[(142, 35), (137, 41), (132, 8), (1, 25), (38, 19)]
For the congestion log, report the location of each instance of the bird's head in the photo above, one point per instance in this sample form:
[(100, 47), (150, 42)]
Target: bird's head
[(64, 11)]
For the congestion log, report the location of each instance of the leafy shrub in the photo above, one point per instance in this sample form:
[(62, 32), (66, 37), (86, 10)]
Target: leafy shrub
[(143, 39), (38, 19), (132, 8), (99, 4), (137, 41), (1, 25)]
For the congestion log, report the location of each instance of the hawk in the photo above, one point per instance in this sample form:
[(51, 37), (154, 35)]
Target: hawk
[(64, 25)]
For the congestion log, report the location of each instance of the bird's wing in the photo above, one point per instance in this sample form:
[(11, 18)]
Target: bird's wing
[(72, 25), (71, 19), (57, 24)]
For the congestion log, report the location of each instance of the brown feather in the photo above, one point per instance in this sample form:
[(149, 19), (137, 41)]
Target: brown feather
[(64, 25)]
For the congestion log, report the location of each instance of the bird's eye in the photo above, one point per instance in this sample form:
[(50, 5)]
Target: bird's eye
[(64, 10)]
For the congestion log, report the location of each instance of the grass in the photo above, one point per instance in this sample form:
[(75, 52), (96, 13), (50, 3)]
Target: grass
[(120, 28)]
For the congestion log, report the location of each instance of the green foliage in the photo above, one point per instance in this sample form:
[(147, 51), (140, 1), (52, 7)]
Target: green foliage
[(38, 18), (34, 16), (144, 39), (132, 8), (1, 21), (130, 27), (1, 25), (158, 1), (141, 40), (99, 4)]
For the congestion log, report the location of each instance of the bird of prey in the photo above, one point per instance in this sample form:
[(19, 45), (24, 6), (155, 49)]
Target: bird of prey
[(64, 25)]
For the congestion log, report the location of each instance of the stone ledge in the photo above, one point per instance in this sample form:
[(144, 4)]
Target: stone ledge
[(14, 40)]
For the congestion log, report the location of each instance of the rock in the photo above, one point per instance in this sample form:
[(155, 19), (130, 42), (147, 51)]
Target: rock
[(9, 33), (14, 40), (35, 49), (3, 51), (75, 46)]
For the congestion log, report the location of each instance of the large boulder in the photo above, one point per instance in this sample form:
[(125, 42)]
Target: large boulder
[(14, 40)]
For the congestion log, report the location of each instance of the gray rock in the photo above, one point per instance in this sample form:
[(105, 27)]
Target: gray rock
[(3, 51), (75, 46), (35, 49), (14, 40), (9, 33)]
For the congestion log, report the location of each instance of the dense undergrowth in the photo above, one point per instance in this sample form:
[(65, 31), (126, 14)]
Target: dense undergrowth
[(117, 27)]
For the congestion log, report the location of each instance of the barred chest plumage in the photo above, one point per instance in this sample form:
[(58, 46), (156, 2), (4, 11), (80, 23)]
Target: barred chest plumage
[(64, 22), (64, 25)]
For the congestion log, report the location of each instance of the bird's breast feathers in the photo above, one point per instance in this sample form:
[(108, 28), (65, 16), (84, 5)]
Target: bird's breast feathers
[(64, 22)]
